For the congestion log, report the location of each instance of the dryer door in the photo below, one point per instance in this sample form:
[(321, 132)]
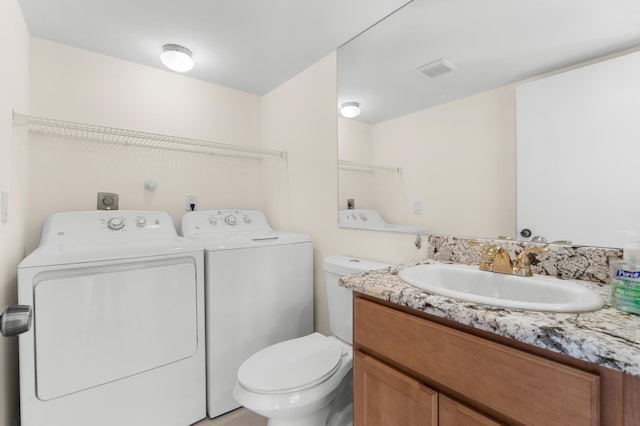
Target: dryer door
[(97, 324)]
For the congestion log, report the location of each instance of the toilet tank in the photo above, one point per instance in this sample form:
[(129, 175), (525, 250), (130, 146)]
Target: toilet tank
[(339, 298)]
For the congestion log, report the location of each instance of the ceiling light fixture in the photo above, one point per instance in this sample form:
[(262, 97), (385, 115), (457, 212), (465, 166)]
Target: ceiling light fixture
[(176, 58), (350, 109)]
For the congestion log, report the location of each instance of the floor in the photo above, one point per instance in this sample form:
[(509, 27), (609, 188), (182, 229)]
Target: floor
[(239, 417)]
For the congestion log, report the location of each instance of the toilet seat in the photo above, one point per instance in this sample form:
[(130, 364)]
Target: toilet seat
[(292, 365)]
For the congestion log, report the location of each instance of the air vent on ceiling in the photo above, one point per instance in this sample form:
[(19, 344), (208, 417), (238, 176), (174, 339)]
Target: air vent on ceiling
[(436, 68)]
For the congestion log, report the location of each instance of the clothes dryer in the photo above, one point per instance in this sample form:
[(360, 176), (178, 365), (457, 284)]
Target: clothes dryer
[(118, 323), (259, 291)]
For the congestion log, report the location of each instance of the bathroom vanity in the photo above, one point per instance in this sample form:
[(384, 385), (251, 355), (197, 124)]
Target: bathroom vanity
[(410, 367), (423, 359)]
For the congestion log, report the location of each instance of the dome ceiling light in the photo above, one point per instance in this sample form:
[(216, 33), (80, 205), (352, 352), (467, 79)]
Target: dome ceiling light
[(176, 58), (350, 109)]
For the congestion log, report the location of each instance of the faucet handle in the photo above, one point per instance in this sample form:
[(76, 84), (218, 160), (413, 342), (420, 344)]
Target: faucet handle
[(538, 239), (522, 264), (476, 243)]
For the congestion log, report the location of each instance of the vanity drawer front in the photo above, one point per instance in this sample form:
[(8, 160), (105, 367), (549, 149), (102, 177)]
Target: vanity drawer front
[(524, 388)]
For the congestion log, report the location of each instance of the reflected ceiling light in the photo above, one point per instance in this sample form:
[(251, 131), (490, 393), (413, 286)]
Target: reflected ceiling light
[(176, 58), (350, 109)]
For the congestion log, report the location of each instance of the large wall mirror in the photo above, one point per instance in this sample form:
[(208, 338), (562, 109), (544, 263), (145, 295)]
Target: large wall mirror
[(438, 84)]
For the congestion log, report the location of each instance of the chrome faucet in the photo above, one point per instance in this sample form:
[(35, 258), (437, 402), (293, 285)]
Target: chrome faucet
[(496, 259)]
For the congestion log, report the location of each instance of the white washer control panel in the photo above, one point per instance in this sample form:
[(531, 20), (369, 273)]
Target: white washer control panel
[(127, 222), (214, 221)]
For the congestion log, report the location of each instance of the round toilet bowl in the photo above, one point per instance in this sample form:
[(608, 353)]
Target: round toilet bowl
[(306, 405)]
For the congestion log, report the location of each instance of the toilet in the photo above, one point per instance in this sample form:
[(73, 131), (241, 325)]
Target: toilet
[(307, 381)]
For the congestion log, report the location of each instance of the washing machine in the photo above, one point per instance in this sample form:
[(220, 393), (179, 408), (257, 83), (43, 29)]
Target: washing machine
[(118, 323), (259, 291)]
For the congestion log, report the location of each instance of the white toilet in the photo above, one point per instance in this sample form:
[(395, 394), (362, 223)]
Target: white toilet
[(307, 381)]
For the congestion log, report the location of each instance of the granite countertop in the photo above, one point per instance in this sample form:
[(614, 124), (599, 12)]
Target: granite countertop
[(607, 337)]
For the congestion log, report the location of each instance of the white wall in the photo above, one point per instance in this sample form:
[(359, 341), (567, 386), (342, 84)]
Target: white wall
[(14, 93), (570, 125)]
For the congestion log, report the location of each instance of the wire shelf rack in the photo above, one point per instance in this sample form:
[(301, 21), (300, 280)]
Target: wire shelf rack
[(112, 135), (354, 165)]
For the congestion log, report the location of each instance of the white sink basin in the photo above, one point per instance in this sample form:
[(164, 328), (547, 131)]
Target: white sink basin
[(537, 293)]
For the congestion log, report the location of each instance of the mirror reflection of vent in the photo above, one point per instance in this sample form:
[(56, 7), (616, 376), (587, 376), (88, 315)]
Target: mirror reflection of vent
[(436, 68)]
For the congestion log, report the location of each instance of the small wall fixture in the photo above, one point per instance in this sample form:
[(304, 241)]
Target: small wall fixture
[(350, 109), (176, 58)]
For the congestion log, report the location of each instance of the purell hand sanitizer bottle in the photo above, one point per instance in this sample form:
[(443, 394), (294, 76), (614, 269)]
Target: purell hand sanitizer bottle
[(625, 280)]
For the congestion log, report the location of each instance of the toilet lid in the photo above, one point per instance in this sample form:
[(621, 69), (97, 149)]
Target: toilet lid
[(291, 365)]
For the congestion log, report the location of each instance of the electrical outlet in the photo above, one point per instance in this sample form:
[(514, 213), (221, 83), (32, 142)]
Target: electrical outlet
[(417, 207), (191, 203)]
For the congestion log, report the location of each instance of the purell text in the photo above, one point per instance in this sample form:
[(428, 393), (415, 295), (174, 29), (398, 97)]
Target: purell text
[(628, 274)]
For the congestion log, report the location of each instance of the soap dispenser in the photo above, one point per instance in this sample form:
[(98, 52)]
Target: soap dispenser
[(625, 279)]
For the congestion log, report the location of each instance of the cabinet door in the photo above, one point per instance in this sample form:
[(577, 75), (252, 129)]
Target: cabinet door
[(522, 387), (384, 396), (453, 413)]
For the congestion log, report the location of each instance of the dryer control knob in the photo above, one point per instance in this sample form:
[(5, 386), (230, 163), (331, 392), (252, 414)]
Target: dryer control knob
[(115, 223), (230, 220), (212, 220), (246, 219), (141, 222)]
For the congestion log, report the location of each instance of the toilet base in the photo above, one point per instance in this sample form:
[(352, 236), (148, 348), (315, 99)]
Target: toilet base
[(342, 418), (337, 410)]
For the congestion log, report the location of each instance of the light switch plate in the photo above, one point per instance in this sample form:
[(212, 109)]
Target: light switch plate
[(4, 206), (107, 201)]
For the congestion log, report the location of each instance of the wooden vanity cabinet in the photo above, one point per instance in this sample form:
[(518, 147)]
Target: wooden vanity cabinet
[(412, 370)]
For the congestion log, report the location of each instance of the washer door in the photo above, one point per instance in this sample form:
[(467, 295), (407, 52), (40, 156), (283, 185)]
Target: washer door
[(97, 324)]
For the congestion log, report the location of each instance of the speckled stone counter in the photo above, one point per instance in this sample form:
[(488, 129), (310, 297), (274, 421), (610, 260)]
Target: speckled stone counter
[(606, 337)]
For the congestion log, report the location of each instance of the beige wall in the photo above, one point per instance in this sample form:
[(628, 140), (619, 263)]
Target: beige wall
[(14, 91), (300, 117), (357, 183), (76, 85), (457, 160)]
